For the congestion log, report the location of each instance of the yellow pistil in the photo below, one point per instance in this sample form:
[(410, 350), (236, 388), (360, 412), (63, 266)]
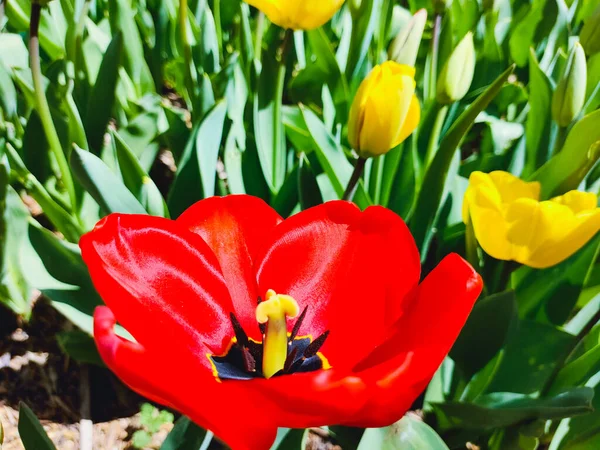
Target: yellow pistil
[(274, 311)]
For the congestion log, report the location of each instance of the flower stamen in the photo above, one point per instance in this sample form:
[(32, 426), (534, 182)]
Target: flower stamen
[(274, 311)]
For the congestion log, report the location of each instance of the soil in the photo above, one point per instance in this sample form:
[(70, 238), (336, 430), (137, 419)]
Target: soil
[(35, 371)]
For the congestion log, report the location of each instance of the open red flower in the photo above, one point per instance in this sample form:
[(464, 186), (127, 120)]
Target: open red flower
[(246, 322)]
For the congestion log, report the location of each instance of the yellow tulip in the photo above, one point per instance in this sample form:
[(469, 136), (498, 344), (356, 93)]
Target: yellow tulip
[(510, 223), (385, 110), (298, 14)]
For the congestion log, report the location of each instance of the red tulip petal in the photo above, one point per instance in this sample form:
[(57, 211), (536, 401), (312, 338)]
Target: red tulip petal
[(235, 227), (227, 409), (162, 282), (315, 398), (351, 268), (400, 369)]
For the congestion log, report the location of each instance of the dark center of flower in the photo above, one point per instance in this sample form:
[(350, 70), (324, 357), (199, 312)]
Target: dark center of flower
[(279, 353)]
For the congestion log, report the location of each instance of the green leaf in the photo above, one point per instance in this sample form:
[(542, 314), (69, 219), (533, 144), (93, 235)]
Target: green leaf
[(102, 96), (196, 174), (580, 152), (332, 159), (55, 268), (485, 332), (102, 184), (185, 435), (137, 180), (324, 68), (268, 120), (551, 294), (15, 291), (431, 193), (582, 432), (539, 120), (8, 94), (502, 409), (80, 346), (407, 434), (522, 35), (31, 431), (309, 193), (534, 349), (122, 19), (232, 159)]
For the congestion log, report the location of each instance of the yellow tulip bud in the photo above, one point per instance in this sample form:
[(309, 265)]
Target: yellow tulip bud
[(385, 110), (457, 74), (569, 95), (298, 14), (511, 224), (590, 33)]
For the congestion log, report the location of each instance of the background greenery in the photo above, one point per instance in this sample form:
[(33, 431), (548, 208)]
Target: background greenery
[(155, 104)]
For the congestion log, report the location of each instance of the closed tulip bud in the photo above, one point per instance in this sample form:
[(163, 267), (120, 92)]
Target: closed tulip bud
[(385, 110), (298, 14), (569, 95), (457, 74), (590, 34), (405, 46)]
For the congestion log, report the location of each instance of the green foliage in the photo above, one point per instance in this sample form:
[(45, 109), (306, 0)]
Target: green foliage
[(156, 107)]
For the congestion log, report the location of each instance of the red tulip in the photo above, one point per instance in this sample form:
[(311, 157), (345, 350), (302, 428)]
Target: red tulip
[(362, 337)]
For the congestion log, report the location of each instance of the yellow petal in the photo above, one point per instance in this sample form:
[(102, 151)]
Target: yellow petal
[(568, 236), (578, 201), (512, 188), (357, 110), (412, 120), (271, 10), (490, 230), (298, 14), (386, 109)]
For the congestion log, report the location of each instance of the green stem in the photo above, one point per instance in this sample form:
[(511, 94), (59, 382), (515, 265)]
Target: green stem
[(218, 26), (471, 246), (559, 141), (435, 50), (187, 53), (570, 352), (260, 31), (434, 137), (359, 167), (42, 104), (375, 178), (60, 218), (277, 110)]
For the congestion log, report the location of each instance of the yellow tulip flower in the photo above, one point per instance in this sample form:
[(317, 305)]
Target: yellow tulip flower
[(298, 14), (510, 223), (385, 110)]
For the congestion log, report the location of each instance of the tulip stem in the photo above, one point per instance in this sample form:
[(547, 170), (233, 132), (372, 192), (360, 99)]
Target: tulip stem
[(278, 136), (187, 54), (359, 167), (433, 62), (43, 108), (434, 137), (260, 30)]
